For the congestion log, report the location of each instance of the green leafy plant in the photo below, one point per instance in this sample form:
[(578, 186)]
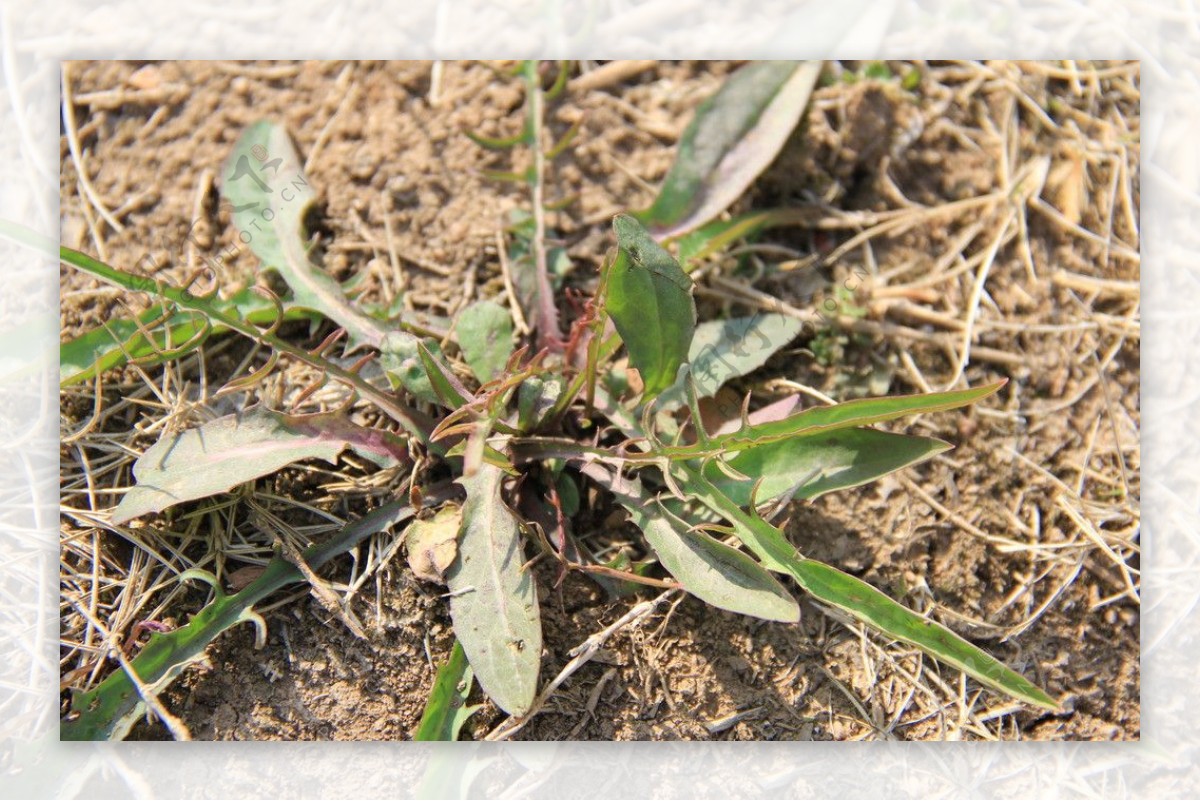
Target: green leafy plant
[(699, 496)]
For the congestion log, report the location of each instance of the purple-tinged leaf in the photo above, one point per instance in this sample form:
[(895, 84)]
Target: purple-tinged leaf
[(232, 450), (265, 185), (734, 135), (770, 413)]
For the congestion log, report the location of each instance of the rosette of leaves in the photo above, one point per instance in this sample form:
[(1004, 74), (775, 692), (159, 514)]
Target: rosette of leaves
[(524, 436)]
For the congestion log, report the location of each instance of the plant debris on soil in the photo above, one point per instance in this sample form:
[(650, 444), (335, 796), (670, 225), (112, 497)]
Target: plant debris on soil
[(979, 220)]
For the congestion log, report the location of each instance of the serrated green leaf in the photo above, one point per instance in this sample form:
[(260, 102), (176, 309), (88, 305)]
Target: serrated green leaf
[(264, 182), (446, 711), (712, 571), (493, 600), (722, 350), (649, 299), (485, 335), (231, 450), (734, 135), (822, 463)]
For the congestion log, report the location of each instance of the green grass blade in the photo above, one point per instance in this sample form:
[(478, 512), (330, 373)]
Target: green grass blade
[(500, 142), (110, 710), (446, 711), (716, 236)]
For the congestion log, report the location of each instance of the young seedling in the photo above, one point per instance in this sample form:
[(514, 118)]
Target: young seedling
[(508, 435)]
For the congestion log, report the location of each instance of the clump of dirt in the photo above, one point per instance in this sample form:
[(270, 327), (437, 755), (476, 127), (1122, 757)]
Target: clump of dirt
[(994, 204)]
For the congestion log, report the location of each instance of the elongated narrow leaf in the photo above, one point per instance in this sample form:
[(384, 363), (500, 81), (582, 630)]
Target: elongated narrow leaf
[(712, 571), (725, 349), (446, 710), (231, 450), (109, 346), (879, 612), (821, 463), (650, 301), (413, 421), (445, 384), (859, 599), (715, 236), (820, 419), (403, 363), (264, 182), (109, 711), (733, 137), (485, 334), (493, 600)]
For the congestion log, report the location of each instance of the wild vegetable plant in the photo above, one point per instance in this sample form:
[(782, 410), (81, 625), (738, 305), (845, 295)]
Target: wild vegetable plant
[(525, 432)]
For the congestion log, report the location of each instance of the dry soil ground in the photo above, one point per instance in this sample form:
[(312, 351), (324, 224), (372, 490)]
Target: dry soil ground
[(990, 203)]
